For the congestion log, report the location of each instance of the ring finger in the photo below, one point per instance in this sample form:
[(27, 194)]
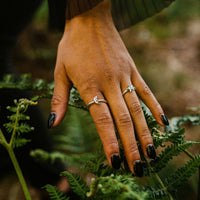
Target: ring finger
[(125, 128)]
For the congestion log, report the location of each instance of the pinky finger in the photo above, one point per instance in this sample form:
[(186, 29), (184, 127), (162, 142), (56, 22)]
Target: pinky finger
[(149, 99)]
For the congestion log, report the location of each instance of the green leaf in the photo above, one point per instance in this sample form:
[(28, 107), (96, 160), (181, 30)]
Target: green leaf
[(168, 153), (19, 116), (77, 184), (19, 142), (54, 193), (182, 174), (72, 159), (116, 187)]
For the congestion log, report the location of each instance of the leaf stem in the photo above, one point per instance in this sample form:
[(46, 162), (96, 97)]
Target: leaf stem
[(11, 153), (15, 126), (19, 172), (188, 153), (160, 181), (3, 139)]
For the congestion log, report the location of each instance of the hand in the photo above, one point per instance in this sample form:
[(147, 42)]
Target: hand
[(92, 56)]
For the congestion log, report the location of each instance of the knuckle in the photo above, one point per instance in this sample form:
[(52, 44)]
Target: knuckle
[(146, 91), (109, 75), (87, 89), (135, 107), (145, 135), (103, 119), (125, 119), (56, 100), (132, 151), (111, 147), (157, 108)]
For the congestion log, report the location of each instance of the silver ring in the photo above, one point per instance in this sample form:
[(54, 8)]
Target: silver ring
[(130, 88), (96, 101)]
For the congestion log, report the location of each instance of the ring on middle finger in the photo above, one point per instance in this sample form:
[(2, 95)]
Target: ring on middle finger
[(130, 88)]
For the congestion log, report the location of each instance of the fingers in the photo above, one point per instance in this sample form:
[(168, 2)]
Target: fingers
[(149, 99), (60, 96), (125, 128), (105, 127), (139, 121)]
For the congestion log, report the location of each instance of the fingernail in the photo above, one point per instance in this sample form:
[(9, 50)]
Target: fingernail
[(164, 120), (138, 168), (51, 119), (116, 161), (151, 151)]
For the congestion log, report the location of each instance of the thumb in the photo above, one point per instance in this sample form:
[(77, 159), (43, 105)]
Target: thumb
[(60, 96)]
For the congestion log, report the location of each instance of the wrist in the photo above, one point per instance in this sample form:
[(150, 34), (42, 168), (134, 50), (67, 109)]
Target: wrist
[(100, 16)]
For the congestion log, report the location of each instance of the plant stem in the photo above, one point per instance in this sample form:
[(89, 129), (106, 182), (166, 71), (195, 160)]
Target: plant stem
[(16, 165), (19, 172), (3, 139), (191, 156), (14, 130), (188, 153), (160, 181)]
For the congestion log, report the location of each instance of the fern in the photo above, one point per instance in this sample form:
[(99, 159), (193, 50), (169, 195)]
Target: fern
[(75, 160), (182, 174), (54, 193), (15, 127), (119, 187), (168, 153), (77, 184), (19, 142), (157, 192)]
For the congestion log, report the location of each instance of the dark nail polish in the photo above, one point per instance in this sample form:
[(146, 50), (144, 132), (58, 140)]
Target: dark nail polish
[(138, 168), (116, 161), (51, 119), (164, 120), (151, 151)]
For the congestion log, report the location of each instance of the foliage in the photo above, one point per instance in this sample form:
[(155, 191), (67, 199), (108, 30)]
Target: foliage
[(117, 187), (15, 127), (109, 183), (54, 193)]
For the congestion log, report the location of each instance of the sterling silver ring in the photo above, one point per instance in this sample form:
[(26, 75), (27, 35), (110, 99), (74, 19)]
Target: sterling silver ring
[(96, 101), (130, 88)]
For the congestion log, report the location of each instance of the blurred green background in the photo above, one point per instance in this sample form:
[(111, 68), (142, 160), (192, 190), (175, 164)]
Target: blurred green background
[(166, 51)]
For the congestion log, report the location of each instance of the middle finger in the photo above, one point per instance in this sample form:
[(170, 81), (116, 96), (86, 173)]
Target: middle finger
[(125, 128)]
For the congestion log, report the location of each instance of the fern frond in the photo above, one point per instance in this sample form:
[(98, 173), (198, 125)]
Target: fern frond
[(54, 193), (168, 153), (24, 128), (76, 100), (20, 117), (116, 187), (73, 159), (159, 137), (19, 142), (176, 122), (97, 166), (77, 184), (10, 126), (156, 192), (19, 128), (151, 122), (182, 174)]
